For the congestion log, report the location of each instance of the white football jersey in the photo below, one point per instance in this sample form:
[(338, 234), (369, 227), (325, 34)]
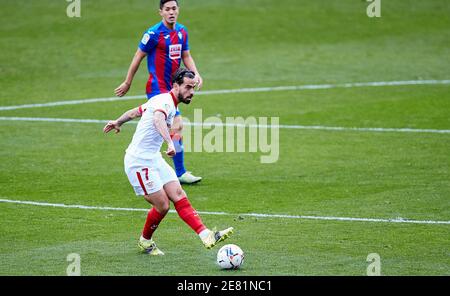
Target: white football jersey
[(147, 141)]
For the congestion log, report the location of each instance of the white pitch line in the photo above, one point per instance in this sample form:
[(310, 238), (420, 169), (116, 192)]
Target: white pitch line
[(282, 216), (46, 119), (238, 90), (281, 126)]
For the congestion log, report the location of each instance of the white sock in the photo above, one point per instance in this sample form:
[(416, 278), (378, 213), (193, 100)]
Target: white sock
[(143, 239), (204, 233)]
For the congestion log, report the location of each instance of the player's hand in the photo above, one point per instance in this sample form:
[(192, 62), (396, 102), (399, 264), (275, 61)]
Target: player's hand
[(112, 125), (171, 150), (122, 89), (199, 82)]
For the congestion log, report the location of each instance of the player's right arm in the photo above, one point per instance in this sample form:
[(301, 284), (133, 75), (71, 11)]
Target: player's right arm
[(146, 45), (123, 88), (159, 120), (125, 117)]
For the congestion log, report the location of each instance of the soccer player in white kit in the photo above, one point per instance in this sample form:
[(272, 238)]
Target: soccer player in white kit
[(149, 173)]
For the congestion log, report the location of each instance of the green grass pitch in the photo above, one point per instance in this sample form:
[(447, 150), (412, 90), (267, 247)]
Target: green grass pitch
[(48, 57)]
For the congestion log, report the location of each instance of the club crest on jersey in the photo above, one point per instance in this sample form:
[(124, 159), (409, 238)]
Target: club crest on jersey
[(175, 51), (169, 120), (150, 184), (180, 35)]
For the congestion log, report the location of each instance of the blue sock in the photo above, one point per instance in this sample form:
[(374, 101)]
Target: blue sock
[(178, 159)]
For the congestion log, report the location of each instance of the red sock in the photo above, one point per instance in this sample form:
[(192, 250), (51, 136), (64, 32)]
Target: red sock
[(152, 222), (189, 215)]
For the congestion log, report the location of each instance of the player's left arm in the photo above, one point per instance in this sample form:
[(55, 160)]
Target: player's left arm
[(188, 61), (125, 117)]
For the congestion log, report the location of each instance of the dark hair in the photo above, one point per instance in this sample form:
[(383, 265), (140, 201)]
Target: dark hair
[(179, 75), (162, 2)]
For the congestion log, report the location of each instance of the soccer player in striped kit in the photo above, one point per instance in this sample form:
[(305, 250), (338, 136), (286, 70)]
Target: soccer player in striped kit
[(165, 45)]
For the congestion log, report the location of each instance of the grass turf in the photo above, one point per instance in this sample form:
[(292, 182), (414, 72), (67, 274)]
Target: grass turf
[(49, 57)]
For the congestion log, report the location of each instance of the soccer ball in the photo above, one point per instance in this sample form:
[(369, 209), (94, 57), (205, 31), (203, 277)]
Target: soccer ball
[(230, 257)]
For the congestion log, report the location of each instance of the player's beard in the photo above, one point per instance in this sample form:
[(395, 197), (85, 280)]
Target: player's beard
[(186, 100)]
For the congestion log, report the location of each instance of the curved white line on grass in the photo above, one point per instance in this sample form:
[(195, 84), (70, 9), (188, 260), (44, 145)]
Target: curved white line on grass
[(238, 90), (396, 220), (281, 126)]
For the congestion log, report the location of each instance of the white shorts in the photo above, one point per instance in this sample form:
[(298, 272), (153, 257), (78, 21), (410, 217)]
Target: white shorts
[(148, 176)]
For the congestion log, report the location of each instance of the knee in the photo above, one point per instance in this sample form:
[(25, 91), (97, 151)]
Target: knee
[(177, 195), (163, 207), (180, 192)]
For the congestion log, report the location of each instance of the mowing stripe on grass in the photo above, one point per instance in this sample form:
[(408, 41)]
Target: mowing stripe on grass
[(282, 216), (281, 126), (238, 90)]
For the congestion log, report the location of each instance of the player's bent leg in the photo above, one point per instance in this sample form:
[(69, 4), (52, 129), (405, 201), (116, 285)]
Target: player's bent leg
[(159, 200), (176, 133), (190, 216), (147, 183), (183, 207), (161, 205)]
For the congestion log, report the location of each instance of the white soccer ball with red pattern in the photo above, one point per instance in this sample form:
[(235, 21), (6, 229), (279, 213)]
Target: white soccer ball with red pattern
[(230, 257)]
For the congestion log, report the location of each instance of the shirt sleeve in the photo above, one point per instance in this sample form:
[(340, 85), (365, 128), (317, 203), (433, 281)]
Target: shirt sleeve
[(149, 41), (163, 106), (143, 107)]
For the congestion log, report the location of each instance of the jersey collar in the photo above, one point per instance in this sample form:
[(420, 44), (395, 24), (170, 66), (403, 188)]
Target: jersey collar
[(175, 28), (175, 102)]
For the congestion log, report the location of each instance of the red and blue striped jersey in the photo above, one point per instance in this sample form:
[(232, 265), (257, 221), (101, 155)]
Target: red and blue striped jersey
[(164, 48)]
